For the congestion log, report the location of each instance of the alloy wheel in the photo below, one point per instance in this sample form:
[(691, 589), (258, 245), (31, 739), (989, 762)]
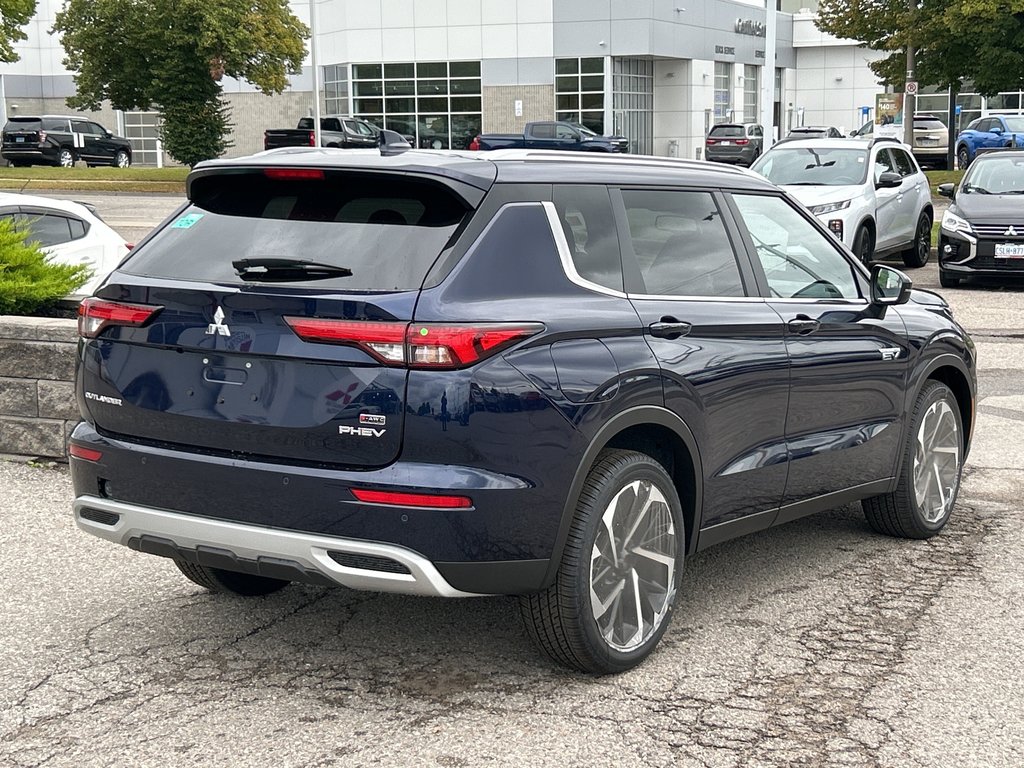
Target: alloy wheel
[(67, 160), (122, 160), (937, 462), (924, 239), (632, 566)]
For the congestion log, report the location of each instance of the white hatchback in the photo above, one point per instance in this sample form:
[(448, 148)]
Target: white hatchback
[(871, 194), (69, 232)]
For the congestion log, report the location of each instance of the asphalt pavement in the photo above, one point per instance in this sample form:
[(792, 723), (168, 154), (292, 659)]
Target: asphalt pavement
[(817, 643)]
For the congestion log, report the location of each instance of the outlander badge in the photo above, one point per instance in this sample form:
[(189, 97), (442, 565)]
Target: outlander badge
[(218, 326)]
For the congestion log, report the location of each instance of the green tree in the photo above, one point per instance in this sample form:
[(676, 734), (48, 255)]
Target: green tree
[(955, 40), (29, 280), (14, 14), (171, 54)]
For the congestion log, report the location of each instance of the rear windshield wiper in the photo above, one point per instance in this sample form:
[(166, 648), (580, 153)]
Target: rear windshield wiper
[(277, 270)]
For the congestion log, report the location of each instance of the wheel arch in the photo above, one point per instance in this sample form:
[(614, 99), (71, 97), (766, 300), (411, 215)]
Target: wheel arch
[(659, 433)]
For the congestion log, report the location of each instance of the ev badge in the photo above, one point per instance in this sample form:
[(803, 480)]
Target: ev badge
[(218, 326)]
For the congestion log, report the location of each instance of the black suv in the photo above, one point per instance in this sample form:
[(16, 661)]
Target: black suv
[(61, 140), (543, 374)]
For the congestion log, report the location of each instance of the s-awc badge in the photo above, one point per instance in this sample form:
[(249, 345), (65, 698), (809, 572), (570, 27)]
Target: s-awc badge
[(373, 419)]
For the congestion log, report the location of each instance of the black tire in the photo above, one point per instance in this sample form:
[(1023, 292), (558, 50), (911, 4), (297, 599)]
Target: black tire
[(561, 618), (963, 157), (230, 582), (948, 281), (66, 158), (898, 513), (920, 249), (864, 244), (121, 159)]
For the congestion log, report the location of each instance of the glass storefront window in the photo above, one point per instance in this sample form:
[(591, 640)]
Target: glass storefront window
[(751, 91), (579, 98), (723, 91)]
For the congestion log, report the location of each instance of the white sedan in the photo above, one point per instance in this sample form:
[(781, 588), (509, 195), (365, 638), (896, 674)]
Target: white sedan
[(69, 232)]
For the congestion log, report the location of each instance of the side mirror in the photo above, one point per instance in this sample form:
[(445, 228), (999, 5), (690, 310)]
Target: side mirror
[(889, 180), (997, 131), (889, 286), (947, 190)]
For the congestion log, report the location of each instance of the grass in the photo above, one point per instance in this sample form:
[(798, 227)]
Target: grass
[(942, 177), (103, 179)]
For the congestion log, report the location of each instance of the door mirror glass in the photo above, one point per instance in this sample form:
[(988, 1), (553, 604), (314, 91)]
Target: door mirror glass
[(947, 190), (889, 180), (889, 286)]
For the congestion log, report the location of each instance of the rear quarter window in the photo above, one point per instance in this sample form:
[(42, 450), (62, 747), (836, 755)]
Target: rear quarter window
[(388, 230)]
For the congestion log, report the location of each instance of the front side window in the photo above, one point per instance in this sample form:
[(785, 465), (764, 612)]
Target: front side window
[(798, 259), (884, 164), (565, 132), (681, 244), (904, 164)]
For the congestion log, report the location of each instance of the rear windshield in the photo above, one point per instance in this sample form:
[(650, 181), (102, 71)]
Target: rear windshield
[(387, 230), (929, 124), (23, 124), (726, 131)]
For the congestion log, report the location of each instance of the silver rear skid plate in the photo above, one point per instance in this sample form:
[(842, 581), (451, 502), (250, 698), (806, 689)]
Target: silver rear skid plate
[(124, 523)]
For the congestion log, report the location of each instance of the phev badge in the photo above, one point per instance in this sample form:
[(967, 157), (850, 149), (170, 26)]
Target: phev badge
[(218, 326)]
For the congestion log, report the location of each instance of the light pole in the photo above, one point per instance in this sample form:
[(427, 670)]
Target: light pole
[(316, 72), (768, 76)]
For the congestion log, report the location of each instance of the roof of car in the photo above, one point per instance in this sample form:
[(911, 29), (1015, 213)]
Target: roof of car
[(51, 117), (481, 169), (1017, 153), (35, 201), (833, 143)]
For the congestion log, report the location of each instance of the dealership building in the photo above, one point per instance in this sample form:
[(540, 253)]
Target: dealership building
[(659, 72)]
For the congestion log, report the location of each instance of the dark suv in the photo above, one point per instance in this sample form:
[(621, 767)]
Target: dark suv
[(63, 140), (529, 373)]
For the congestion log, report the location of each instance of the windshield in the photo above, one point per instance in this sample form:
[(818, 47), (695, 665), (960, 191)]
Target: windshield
[(814, 166), (995, 175), (583, 129), (385, 231), (1014, 123)]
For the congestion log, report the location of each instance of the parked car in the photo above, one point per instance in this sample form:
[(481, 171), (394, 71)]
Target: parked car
[(871, 194), (736, 143), (62, 140), (548, 134), (931, 139), (340, 131), (992, 132), (812, 132), (982, 231), (69, 232), (552, 376)]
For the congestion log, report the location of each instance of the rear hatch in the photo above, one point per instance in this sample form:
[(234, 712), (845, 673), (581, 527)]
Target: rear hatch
[(268, 318), (930, 134), (23, 132), (726, 140)]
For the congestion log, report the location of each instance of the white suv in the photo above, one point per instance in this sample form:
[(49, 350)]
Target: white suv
[(871, 194)]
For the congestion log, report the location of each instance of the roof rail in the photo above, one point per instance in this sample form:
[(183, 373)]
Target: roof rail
[(877, 139)]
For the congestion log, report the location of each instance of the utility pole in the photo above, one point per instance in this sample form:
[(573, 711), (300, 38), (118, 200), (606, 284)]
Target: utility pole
[(316, 72), (910, 88)]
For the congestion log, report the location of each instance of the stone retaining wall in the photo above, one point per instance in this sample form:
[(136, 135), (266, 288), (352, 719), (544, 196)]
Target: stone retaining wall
[(37, 397)]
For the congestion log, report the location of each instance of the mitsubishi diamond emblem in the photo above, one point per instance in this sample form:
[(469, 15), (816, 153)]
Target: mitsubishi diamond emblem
[(1010, 232), (218, 326)]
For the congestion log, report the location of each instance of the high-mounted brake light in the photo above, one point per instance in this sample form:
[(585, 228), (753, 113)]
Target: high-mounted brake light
[(417, 345), (96, 314), (412, 499), (293, 174), (81, 452)]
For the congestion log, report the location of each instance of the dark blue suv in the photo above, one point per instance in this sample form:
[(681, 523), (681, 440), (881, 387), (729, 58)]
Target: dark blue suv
[(525, 373)]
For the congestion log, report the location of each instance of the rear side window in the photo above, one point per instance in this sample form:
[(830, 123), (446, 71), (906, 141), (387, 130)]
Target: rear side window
[(543, 131), (50, 229), (681, 244), (55, 125), (387, 230), (585, 212), (726, 131)]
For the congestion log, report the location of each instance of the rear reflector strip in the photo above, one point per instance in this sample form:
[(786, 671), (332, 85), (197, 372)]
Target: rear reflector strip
[(100, 516), (399, 499), (368, 562), (80, 452)]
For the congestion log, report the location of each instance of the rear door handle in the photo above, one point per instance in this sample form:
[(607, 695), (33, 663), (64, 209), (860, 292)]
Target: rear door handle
[(803, 325), (669, 328)]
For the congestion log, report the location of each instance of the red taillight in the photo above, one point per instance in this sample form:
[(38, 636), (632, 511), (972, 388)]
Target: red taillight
[(418, 345), (312, 138), (474, 145), (129, 246), (709, 142), (80, 452), (96, 314), (293, 174), (742, 142), (412, 499), (42, 138)]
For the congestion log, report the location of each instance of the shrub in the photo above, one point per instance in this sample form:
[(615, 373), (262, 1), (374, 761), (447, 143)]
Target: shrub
[(29, 279)]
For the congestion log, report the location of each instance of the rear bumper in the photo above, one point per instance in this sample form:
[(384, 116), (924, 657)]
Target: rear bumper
[(289, 555), (501, 545), (34, 153)]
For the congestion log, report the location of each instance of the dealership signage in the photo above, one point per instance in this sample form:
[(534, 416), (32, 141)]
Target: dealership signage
[(750, 27)]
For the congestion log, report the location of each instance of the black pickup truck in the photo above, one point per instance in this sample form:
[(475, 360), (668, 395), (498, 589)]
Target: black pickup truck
[(335, 131), (550, 134)]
